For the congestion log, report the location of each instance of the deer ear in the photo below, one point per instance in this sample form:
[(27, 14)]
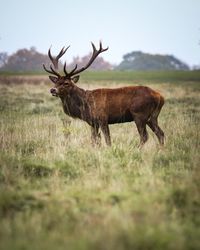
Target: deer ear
[(53, 79), (75, 79)]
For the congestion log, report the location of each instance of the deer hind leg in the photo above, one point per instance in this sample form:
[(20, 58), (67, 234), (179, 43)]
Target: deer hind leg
[(141, 127), (95, 135), (153, 124), (106, 132)]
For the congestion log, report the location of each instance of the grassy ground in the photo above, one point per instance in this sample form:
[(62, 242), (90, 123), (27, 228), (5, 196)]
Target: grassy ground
[(58, 192)]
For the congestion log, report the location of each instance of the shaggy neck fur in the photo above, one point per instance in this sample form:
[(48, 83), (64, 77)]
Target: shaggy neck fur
[(75, 104)]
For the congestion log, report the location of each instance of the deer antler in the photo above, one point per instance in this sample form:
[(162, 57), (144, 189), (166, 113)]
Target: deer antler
[(95, 53), (55, 61), (74, 71)]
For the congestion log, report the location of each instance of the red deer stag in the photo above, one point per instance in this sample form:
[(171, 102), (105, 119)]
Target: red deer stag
[(101, 107)]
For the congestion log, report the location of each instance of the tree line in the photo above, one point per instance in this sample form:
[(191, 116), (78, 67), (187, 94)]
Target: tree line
[(30, 60)]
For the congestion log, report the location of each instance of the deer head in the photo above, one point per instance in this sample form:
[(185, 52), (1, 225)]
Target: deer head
[(64, 82)]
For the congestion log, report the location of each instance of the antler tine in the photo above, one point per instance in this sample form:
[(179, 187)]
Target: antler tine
[(101, 48), (71, 72), (94, 48), (50, 56), (62, 52), (52, 71), (65, 70), (46, 69)]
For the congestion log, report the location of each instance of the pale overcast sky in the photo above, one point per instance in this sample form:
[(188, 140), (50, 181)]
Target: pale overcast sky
[(152, 26)]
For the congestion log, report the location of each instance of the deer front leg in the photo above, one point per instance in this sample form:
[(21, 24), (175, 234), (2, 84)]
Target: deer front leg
[(106, 132), (95, 135)]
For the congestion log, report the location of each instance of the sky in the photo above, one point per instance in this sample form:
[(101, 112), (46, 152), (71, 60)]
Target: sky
[(152, 26)]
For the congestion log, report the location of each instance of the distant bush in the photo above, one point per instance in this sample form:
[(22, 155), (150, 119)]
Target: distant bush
[(138, 60)]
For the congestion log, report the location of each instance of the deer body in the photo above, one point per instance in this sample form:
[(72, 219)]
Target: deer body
[(101, 107)]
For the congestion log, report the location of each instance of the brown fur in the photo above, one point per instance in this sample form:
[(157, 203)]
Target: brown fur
[(101, 107)]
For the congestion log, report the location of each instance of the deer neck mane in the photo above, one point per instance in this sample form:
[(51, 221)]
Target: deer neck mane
[(75, 104)]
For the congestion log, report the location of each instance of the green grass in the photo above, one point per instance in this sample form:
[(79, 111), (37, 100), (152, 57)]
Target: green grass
[(58, 192), (140, 76), (126, 76)]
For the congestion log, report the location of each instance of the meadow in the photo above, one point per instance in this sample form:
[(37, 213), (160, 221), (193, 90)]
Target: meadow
[(57, 191)]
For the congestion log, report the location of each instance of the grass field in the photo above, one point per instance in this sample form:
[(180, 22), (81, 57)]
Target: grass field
[(59, 192)]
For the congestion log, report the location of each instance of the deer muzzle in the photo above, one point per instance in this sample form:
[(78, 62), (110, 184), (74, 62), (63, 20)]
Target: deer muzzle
[(54, 92)]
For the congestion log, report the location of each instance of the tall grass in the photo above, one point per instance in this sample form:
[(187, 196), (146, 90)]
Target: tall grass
[(58, 192)]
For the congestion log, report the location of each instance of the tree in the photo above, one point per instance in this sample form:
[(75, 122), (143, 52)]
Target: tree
[(3, 59), (138, 60), (25, 60)]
